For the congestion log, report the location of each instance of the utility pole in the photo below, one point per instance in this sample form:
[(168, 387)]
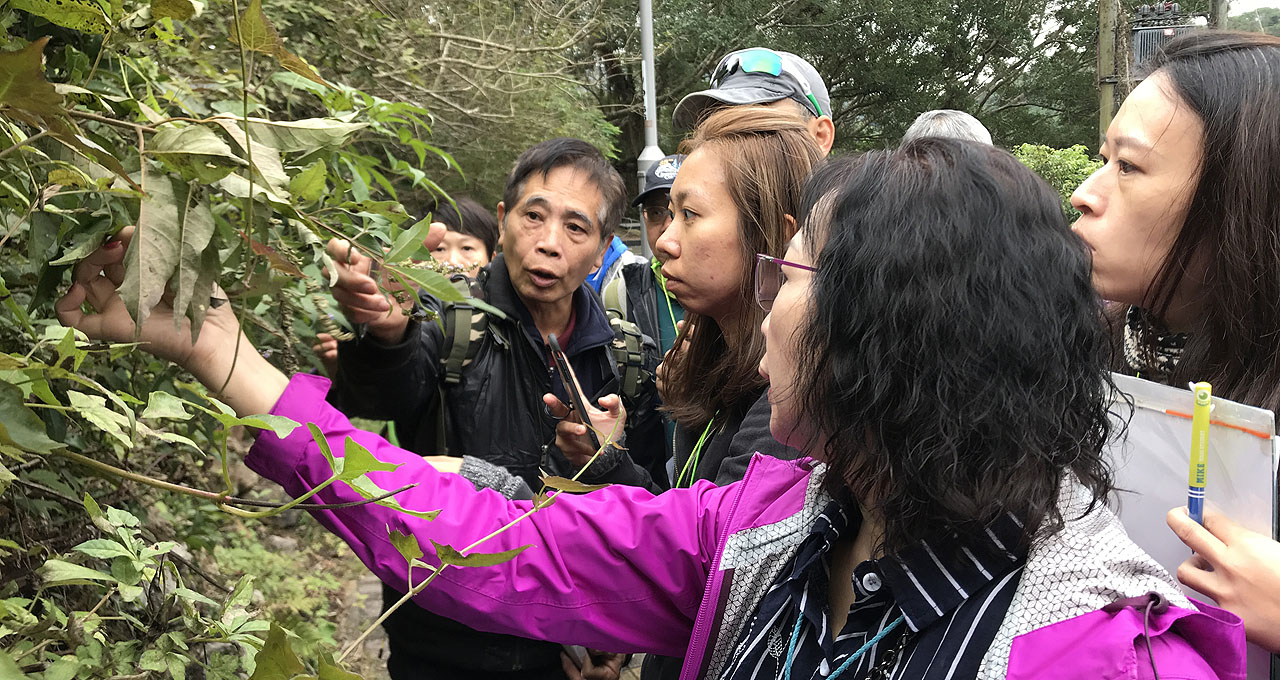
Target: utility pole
[(1218, 13), (651, 153), (1107, 19)]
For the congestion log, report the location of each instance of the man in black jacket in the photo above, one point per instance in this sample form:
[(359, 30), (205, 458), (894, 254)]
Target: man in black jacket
[(559, 210)]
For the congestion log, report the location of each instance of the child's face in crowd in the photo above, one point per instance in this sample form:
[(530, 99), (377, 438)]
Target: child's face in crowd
[(1134, 206), (701, 250), (461, 250)]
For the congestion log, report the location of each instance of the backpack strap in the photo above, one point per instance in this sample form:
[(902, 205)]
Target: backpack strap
[(628, 340), (464, 325), (628, 354), (615, 297)]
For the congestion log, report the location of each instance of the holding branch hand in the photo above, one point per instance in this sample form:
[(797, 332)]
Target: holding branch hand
[(252, 387), (359, 297), (1237, 567)]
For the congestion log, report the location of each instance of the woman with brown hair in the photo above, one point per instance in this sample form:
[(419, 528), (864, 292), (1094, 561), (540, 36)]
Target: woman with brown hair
[(735, 196), (1184, 225)]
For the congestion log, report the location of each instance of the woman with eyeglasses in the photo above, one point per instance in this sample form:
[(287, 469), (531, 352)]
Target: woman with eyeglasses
[(1184, 224), (933, 348)]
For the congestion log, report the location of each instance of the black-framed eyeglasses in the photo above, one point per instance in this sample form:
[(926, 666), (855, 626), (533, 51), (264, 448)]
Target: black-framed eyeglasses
[(769, 278), (656, 214)]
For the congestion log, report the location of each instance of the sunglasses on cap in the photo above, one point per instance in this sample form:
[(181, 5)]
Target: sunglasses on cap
[(768, 62)]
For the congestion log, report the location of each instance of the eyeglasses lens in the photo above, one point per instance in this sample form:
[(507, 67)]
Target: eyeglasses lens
[(654, 214), (768, 281)]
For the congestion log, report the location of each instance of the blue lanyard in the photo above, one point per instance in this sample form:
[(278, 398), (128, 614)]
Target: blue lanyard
[(795, 637)]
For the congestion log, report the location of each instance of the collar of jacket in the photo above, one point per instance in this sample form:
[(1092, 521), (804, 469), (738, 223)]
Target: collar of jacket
[(591, 328)]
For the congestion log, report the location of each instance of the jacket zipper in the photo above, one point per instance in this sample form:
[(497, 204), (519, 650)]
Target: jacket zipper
[(701, 624)]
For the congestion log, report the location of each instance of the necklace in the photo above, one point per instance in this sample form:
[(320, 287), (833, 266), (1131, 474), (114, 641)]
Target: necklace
[(795, 637)]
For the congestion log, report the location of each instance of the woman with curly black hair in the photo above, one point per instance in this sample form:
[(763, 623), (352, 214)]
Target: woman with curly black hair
[(934, 346)]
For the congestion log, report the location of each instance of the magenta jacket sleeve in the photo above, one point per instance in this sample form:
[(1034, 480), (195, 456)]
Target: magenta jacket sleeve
[(618, 569)]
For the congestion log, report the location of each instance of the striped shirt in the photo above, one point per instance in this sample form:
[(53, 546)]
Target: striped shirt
[(951, 601)]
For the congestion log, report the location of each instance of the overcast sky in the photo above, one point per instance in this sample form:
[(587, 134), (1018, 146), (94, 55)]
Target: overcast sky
[(1242, 6)]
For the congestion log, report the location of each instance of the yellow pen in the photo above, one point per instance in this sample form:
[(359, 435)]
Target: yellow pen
[(1198, 472)]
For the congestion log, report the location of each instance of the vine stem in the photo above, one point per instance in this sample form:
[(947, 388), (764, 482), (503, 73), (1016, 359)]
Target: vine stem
[(414, 590), (223, 500)]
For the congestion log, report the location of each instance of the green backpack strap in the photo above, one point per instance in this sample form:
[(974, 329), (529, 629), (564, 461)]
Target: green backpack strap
[(628, 341), (464, 325), (628, 354), (615, 297)]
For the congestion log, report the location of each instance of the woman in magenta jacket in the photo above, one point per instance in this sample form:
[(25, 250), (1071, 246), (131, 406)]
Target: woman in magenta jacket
[(934, 347)]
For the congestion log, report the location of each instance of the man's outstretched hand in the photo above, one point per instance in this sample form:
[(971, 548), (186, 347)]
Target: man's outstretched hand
[(358, 294)]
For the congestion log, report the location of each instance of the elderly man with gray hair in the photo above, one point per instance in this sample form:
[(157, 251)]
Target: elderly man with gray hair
[(947, 123)]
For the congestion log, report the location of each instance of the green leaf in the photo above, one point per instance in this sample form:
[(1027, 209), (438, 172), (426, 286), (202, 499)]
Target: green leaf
[(323, 443), (562, 484), (266, 158), (103, 549), (280, 425), (329, 671), (357, 460), (174, 9), (153, 253), (276, 661), (195, 230), (259, 35), (448, 555), (309, 185), (100, 520), (406, 545), (22, 83), (6, 478), (195, 152), (125, 570), (94, 409), (9, 669), (303, 136), (409, 242), (64, 668), (85, 16), (253, 30), (165, 405), (202, 291), (193, 596), (60, 573), (433, 283), (366, 488), (19, 426)]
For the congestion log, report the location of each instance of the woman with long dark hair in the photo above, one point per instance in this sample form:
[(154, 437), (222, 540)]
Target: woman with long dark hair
[(1184, 224), (934, 348)]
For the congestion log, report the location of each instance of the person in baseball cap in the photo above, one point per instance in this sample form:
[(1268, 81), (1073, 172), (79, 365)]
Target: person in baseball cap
[(759, 75)]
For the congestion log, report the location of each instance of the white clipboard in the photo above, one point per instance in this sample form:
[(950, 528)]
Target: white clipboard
[(1151, 460)]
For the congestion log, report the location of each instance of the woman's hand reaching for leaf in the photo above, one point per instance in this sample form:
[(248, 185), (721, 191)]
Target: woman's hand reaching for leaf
[(253, 386)]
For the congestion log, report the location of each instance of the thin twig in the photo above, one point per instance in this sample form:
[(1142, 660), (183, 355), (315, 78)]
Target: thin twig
[(110, 121), (23, 143)]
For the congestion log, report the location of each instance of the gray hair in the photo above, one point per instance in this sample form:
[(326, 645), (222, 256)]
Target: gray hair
[(947, 123)]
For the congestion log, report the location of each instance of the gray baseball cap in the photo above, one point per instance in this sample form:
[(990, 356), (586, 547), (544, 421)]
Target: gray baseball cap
[(660, 176), (756, 75)]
